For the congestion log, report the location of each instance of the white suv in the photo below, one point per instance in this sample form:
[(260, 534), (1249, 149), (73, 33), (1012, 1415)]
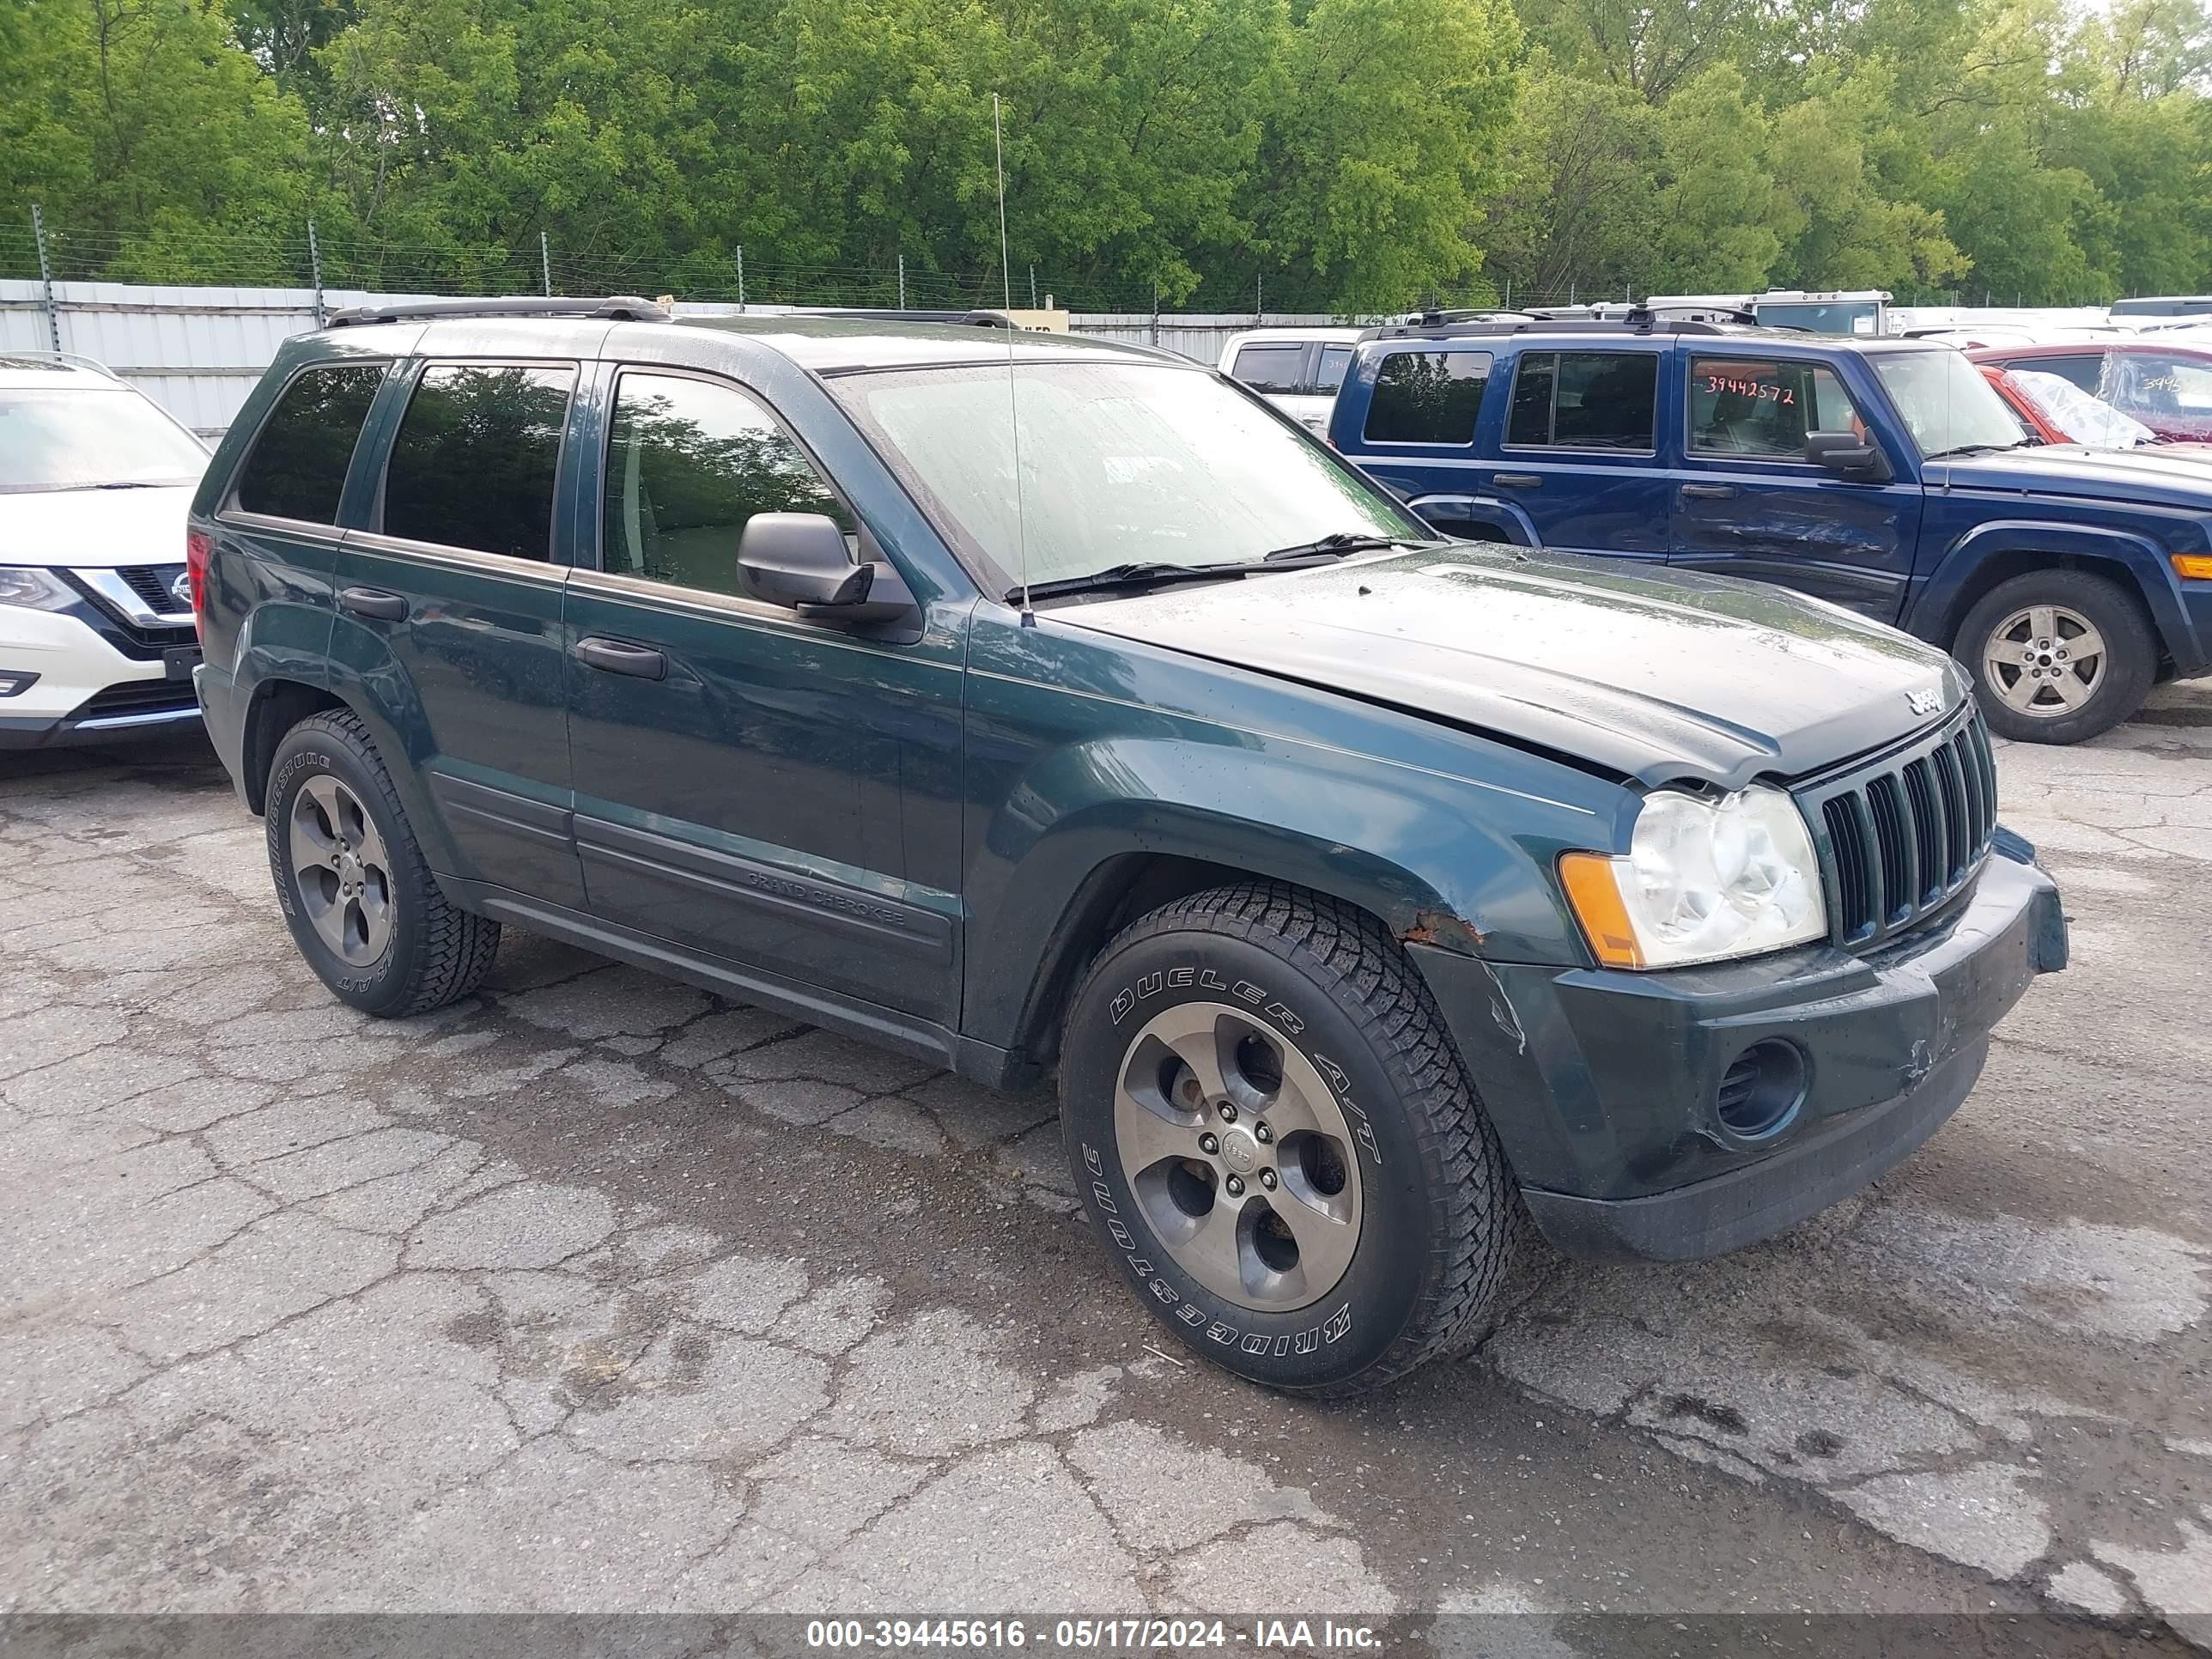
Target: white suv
[(96, 635), (1296, 369)]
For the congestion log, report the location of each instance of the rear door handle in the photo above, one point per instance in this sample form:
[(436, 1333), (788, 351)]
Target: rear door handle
[(1519, 481), (639, 662), (372, 602), (1709, 492)]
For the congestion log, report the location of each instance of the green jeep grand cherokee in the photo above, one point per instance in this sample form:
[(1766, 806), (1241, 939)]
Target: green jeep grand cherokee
[(1047, 706)]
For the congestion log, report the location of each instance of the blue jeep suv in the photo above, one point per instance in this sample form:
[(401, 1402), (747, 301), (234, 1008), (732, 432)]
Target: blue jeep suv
[(1882, 474)]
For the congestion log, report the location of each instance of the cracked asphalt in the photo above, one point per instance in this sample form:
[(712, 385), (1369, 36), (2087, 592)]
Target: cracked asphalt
[(595, 1293)]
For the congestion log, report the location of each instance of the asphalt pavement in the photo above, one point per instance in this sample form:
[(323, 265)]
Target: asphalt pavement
[(596, 1293)]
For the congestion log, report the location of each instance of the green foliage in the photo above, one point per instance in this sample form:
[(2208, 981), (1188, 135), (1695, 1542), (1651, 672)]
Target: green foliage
[(1356, 155)]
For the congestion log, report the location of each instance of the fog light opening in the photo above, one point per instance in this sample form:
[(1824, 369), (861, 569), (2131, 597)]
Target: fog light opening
[(1762, 1090)]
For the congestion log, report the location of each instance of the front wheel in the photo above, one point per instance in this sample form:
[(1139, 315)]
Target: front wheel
[(1277, 1144), (2057, 655)]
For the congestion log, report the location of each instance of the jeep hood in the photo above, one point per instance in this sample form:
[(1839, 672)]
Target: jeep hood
[(95, 527), (2157, 475), (1655, 675)]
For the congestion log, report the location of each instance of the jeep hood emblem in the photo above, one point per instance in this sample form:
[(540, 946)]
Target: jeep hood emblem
[(1923, 702)]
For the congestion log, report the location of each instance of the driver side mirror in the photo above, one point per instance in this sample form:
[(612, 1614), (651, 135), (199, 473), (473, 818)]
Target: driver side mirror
[(801, 560), (1848, 455)]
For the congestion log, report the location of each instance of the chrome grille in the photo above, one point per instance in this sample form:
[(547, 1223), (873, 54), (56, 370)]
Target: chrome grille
[(1902, 834)]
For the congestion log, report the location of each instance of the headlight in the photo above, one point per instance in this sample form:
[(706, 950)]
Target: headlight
[(1704, 881), (32, 589)]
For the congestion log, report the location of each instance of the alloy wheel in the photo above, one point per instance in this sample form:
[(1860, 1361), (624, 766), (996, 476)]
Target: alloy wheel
[(341, 873), (2044, 661), (1239, 1156)]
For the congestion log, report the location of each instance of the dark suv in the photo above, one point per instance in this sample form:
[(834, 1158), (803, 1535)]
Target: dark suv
[(1041, 706), (1882, 474)]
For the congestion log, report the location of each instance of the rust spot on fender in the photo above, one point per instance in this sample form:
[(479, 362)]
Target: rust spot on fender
[(1440, 928)]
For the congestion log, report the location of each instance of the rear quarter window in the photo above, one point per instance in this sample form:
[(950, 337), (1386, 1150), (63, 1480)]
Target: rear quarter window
[(297, 466), (1585, 400), (1427, 397)]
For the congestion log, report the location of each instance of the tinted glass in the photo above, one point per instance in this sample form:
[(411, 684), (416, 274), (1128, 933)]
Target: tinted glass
[(1748, 406), (473, 463), (2082, 372), (1427, 397), (687, 463), (1118, 462), (299, 462), (1335, 360), (1271, 367), (1586, 400)]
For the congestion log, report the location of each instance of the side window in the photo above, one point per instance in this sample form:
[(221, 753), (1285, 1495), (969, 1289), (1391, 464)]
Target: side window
[(2082, 371), (1585, 400), (687, 463), (2156, 383), (474, 461), (1758, 407), (1271, 367), (298, 463), (1427, 397), (1335, 360)]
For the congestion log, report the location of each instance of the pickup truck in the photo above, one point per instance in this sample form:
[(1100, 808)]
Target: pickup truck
[(1882, 474)]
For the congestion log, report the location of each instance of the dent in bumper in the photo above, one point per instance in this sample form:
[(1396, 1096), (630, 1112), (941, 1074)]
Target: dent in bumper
[(1602, 1085)]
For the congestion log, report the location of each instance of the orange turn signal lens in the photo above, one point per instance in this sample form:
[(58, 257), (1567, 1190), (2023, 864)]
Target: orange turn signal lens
[(2193, 567), (1594, 893)]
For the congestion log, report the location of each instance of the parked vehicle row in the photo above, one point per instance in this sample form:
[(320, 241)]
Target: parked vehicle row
[(96, 638), (1045, 706)]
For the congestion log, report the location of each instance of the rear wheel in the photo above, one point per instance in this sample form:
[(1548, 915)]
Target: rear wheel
[(358, 897), (2057, 655), (1278, 1143)]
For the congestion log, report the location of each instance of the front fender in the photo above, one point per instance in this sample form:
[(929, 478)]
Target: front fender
[(1438, 862), (1937, 610)]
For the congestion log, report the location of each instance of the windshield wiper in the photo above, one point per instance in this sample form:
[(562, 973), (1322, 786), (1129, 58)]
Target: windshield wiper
[(1979, 449), (1335, 546), (1145, 573)]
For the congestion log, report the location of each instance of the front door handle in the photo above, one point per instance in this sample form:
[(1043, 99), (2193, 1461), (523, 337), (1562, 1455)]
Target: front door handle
[(372, 602), (639, 662), (1709, 492), (1519, 481)]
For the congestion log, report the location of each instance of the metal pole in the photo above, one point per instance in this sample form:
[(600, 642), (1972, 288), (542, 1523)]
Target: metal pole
[(1260, 299), (45, 277), (741, 273), (545, 263), (902, 305), (1033, 304), (1156, 311), (1509, 294), (315, 268)]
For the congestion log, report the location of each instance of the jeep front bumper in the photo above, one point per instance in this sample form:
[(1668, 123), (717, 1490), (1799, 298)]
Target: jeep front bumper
[(1605, 1086)]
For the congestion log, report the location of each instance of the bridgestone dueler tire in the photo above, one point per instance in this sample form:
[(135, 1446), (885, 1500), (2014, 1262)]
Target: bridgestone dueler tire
[(438, 952), (1438, 1209)]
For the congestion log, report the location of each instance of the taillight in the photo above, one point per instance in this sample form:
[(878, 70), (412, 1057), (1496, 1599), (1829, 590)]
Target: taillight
[(200, 546)]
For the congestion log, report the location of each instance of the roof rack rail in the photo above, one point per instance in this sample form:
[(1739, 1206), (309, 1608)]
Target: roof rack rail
[(618, 307), (977, 317), (1641, 320)]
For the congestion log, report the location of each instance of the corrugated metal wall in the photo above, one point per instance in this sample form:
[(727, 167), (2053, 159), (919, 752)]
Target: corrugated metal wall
[(197, 351)]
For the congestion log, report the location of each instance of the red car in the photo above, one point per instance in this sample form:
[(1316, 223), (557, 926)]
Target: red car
[(2165, 383), (2059, 412)]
